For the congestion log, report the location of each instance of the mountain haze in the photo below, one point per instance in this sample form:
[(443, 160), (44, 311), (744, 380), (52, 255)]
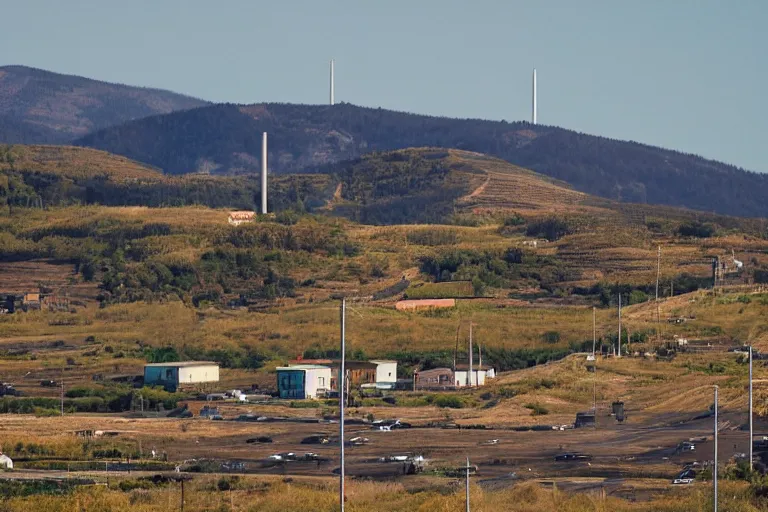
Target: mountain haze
[(38, 106), (226, 139)]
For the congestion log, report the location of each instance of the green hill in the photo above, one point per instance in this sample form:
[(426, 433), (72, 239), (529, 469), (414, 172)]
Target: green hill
[(41, 107), (226, 139)]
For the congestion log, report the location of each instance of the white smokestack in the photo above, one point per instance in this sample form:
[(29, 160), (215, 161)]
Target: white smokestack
[(264, 173), (332, 101), (535, 106)]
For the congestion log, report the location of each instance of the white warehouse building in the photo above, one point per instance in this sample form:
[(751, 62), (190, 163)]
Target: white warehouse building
[(302, 381), (184, 373), (386, 373)]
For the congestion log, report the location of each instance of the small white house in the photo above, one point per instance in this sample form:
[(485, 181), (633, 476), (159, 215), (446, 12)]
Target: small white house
[(173, 375), (478, 377), (241, 217), (386, 372), (5, 462), (303, 381)]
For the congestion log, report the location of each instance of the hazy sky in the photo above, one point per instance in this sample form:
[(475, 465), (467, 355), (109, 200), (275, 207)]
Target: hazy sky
[(690, 75)]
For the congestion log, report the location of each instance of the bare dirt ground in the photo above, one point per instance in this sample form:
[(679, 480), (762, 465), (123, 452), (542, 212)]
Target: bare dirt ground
[(635, 460)]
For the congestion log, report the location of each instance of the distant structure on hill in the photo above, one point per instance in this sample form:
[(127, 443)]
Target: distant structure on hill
[(534, 113), (241, 217), (332, 84)]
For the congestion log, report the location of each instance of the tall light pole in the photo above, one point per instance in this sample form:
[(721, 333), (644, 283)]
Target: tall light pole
[(467, 486), (342, 372), (751, 439), (619, 323), (658, 310), (714, 469)]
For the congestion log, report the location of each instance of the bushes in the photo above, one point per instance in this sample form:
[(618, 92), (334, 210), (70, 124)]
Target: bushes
[(446, 290), (551, 228), (551, 337), (448, 401), (537, 409), (432, 237), (696, 229)]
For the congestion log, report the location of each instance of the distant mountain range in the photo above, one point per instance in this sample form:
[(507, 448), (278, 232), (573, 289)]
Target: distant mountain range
[(41, 107), (226, 139), (182, 135)]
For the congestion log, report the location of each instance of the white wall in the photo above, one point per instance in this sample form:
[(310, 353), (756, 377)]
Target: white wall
[(386, 371), (196, 374), (478, 377), (314, 379)]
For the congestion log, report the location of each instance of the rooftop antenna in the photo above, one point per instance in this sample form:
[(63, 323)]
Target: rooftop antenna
[(264, 173), (469, 373), (594, 329), (534, 113), (456, 350), (658, 309), (332, 100), (619, 323)]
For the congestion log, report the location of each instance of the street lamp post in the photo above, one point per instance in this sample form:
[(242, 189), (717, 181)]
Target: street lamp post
[(341, 400), (714, 468), (751, 439)]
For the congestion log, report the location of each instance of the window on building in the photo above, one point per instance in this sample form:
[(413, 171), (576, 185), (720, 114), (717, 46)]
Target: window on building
[(321, 382)]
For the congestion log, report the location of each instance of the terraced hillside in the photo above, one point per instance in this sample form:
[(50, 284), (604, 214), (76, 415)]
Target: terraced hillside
[(74, 162), (508, 186), (226, 139)]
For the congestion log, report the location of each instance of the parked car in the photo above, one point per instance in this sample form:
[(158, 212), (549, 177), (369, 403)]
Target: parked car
[(572, 456)]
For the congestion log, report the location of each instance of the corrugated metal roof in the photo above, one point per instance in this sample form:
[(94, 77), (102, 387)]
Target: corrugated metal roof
[(303, 367), (182, 364)]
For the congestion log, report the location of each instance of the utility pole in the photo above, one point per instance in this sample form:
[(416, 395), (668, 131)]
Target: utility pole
[(594, 361), (469, 373), (714, 469), (467, 493), (62, 391), (341, 399), (619, 323), (751, 439), (658, 311)]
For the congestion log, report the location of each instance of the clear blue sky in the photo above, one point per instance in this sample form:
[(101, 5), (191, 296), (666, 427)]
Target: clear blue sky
[(690, 75)]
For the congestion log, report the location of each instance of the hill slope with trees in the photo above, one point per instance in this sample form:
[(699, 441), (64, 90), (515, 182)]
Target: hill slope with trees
[(226, 139), (41, 107)]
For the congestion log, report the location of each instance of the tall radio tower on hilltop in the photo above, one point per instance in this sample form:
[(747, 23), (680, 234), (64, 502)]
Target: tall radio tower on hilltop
[(534, 113), (332, 99)]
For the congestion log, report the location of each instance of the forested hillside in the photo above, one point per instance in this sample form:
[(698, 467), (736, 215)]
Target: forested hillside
[(41, 107), (226, 139)]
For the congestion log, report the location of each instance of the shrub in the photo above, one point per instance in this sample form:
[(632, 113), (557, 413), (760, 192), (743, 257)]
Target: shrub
[(551, 228), (448, 401), (537, 409), (551, 337), (696, 229), (637, 296)]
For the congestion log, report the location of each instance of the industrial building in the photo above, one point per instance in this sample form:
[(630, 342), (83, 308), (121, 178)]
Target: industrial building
[(184, 373), (479, 375), (437, 378), (376, 373), (303, 381)]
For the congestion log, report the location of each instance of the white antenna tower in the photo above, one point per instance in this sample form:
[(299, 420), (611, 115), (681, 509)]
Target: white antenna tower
[(535, 108), (264, 173), (332, 86)]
